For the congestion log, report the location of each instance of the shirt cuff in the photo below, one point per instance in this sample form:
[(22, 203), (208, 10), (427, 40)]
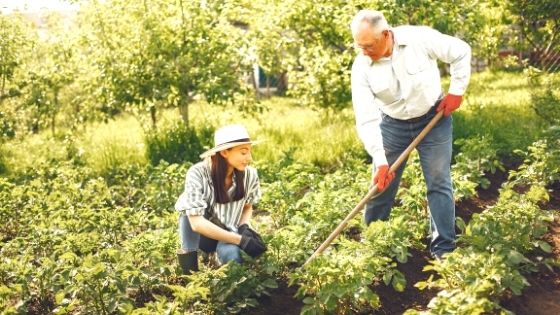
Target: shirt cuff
[(379, 158), (193, 211), (456, 90)]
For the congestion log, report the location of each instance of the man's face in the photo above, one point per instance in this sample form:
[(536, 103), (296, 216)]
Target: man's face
[(373, 45)]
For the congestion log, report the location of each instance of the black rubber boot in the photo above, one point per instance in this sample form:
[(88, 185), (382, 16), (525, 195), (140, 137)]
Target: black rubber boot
[(188, 261)]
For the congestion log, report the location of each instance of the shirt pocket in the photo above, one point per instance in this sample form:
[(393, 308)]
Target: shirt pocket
[(416, 61), (382, 90)]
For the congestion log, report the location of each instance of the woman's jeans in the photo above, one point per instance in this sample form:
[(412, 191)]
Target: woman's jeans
[(190, 242), (435, 158)]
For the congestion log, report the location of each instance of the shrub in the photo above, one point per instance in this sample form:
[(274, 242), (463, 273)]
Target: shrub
[(177, 143)]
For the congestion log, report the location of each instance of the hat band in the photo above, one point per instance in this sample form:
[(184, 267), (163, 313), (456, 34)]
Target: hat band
[(238, 140)]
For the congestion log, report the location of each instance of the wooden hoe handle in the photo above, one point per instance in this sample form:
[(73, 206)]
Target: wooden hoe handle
[(372, 192)]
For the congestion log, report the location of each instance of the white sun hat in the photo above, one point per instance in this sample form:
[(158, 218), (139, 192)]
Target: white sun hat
[(228, 137)]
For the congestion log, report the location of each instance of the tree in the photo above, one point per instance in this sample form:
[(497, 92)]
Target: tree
[(16, 38), (312, 40), (539, 30), (154, 53), (50, 71)]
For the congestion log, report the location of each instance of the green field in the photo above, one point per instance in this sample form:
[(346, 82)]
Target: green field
[(90, 226), (105, 106)]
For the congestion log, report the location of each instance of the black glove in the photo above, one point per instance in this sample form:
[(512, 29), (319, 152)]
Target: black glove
[(242, 228), (245, 227), (253, 246)]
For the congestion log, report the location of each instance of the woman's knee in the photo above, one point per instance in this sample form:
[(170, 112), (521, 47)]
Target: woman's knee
[(229, 252)]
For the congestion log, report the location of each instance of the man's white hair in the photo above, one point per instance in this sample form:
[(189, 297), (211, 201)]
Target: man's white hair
[(374, 18)]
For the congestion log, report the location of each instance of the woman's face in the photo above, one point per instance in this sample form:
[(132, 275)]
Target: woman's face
[(238, 157)]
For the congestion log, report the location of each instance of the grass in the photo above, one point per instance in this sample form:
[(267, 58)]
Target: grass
[(497, 89), (107, 146), (19, 155), (288, 129), (497, 105)]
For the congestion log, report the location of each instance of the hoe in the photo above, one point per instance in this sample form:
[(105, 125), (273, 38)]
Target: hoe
[(372, 193)]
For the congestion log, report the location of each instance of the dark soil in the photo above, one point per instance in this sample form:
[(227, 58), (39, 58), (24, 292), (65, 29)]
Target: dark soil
[(281, 301), (554, 202), (393, 302), (542, 297), (486, 197), (40, 306)]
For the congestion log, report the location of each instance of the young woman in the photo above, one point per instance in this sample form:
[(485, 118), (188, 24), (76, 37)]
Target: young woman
[(216, 206)]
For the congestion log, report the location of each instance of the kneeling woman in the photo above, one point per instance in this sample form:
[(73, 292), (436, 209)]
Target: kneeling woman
[(216, 206)]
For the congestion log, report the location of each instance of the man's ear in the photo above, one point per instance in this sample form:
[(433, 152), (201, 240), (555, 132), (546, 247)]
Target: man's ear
[(385, 33)]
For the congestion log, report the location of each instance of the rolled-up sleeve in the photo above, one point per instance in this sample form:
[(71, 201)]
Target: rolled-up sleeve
[(368, 115), (254, 188), (192, 201)]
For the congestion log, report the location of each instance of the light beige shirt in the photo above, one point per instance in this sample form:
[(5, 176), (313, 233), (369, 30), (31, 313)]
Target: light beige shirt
[(406, 84)]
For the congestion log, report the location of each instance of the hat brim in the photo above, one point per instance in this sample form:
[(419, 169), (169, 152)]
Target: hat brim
[(226, 146)]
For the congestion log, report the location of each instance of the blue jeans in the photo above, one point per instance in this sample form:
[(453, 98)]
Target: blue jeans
[(435, 157), (190, 241)]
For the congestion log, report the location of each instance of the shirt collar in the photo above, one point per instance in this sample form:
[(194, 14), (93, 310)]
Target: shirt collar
[(402, 36)]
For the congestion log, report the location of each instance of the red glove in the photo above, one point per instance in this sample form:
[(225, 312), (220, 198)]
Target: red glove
[(449, 103), (382, 177)]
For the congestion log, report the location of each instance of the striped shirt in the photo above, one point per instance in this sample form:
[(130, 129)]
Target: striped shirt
[(199, 195)]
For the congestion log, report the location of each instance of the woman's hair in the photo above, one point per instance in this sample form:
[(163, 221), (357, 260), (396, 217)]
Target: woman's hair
[(218, 173)]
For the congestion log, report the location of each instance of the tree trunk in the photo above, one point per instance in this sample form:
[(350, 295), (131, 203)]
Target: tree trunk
[(53, 115), (255, 83), (184, 111), (2, 89), (282, 84), (153, 115)]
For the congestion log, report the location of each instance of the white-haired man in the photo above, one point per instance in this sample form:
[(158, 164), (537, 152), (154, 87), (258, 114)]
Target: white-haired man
[(396, 90)]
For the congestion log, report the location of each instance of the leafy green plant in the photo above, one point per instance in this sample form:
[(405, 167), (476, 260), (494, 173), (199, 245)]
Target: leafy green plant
[(476, 157), (472, 281), (177, 143), (232, 288), (541, 164)]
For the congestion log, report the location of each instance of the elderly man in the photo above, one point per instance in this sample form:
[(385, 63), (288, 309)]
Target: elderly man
[(396, 90)]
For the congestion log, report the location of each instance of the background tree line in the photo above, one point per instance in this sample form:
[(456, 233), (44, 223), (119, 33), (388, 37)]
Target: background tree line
[(141, 57)]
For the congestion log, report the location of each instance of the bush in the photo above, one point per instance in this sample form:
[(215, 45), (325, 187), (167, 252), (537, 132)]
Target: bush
[(177, 143)]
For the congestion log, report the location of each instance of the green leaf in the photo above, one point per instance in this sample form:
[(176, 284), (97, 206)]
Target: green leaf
[(514, 257), (399, 282), (461, 225), (270, 283), (545, 246), (387, 277), (59, 297)]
